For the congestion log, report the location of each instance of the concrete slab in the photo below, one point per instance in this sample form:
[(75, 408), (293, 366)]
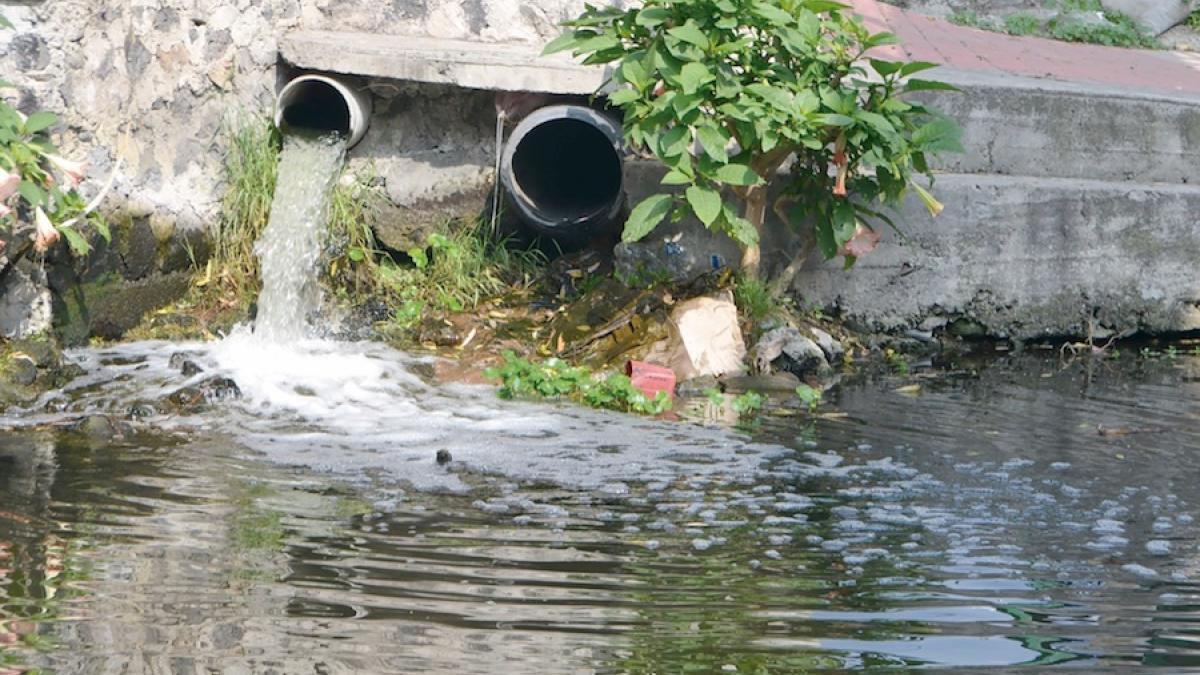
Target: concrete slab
[(1028, 257), (1033, 127), (474, 65)]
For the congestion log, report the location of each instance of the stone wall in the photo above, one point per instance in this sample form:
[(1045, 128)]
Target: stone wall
[(154, 80), (157, 82)]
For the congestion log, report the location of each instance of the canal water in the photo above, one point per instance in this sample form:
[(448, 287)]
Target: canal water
[(1016, 514)]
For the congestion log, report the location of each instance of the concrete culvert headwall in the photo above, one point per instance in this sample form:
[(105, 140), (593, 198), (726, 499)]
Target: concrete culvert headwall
[(562, 170), (324, 103)]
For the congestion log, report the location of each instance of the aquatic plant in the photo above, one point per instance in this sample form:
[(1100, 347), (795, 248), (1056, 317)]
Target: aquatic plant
[(809, 396), (556, 379), (727, 92), (748, 404)]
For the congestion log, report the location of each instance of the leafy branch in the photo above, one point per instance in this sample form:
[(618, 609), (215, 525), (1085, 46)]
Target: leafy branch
[(766, 104)]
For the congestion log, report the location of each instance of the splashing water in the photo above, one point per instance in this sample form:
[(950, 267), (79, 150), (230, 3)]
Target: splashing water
[(291, 242)]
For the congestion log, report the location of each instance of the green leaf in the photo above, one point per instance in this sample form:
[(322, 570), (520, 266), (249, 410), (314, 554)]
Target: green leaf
[(675, 141), (649, 17), (32, 193), (819, 6), (675, 177), (693, 75), (940, 135), (4, 22), (844, 222), (737, 174), (741, 230), (646, 216), (879, 40), (877, 122), (624, 96), (775, 96), (419, 257), (837, 102), (835, 120), (356, 254), (690, 33), (561, 43), (102, 227), (886, 68), (713, 141), (917, 66), (705, 203), (597, 43), (78, 244), (825, 240), (39, 121), (928, 85), (771, 13)]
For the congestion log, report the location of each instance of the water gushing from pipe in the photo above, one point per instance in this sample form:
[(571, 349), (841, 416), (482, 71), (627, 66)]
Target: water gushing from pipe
[(291, 243)]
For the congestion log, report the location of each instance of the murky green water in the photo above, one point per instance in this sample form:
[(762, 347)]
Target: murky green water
[(981, 524)]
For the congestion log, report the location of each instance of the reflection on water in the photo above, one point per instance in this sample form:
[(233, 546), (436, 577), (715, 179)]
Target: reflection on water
[(984, 523)]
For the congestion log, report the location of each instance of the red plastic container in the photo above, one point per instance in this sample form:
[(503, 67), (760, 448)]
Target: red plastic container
[(651, 379)]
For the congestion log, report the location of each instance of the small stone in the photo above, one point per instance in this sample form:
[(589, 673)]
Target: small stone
[(206, 392), (190, 368), (443, 457)]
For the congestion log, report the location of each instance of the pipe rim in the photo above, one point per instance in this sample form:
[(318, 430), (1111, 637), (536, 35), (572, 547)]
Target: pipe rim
[(524, 203), (358, 104)]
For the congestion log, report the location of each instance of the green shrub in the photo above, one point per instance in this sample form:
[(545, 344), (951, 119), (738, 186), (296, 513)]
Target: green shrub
[(752, 83)]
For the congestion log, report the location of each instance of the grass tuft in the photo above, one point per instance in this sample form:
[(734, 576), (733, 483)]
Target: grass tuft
[(251, 162)]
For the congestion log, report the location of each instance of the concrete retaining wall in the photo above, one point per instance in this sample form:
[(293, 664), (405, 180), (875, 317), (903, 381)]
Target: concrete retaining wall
[(1029, 258)]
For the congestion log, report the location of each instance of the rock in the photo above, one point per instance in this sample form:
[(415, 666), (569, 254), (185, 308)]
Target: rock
[(774, 382), (645, 262), (704, 337), (109, 308), (21, 369), (829, 345), (697, 386), (788, 350), (190, 368), (443, 457), (205, 392), (25, 302), (101, 428), (179, 358), (1156, 15)]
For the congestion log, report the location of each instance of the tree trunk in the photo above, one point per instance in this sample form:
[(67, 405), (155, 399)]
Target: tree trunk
[(756, 213)]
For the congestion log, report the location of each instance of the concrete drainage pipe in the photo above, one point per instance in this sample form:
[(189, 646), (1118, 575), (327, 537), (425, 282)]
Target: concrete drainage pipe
[(561, 169), (326, 103)]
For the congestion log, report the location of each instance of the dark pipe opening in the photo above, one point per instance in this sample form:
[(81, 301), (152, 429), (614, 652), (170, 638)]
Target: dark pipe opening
[(568, 171), (317, 105)]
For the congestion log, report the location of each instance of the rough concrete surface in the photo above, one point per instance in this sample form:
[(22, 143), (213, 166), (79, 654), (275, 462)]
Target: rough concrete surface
[(1029, 127), (1029, 258)]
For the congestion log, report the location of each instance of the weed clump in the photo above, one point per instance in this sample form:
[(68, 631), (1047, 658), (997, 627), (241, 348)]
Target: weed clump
[(455, 271), (556, 379)]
